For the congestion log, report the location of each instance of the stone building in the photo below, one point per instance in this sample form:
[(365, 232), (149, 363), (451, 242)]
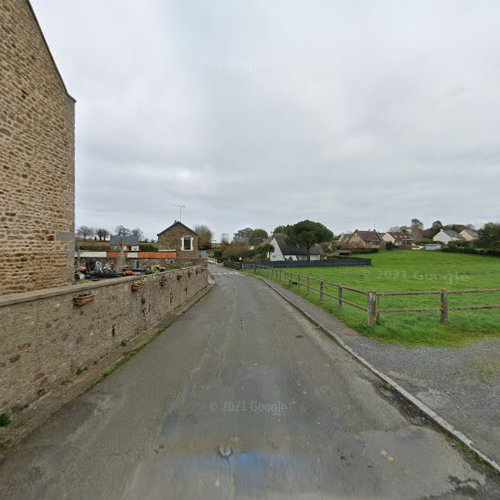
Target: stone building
[(36, 158), (180, 238)]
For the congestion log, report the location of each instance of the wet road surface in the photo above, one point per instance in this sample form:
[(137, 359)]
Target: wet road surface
[(240, 398)]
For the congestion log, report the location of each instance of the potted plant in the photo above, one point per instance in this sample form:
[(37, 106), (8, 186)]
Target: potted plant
[(81, 300), (137, 285)]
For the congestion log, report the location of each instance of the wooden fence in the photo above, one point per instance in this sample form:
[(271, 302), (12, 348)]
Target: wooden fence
[(329, 290)]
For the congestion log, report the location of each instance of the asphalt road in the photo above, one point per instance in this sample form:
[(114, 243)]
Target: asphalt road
[(240, 398)]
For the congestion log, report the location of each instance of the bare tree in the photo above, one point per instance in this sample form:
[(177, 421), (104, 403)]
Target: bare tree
[(102, 234), (122, 231), (137, 232), (205, 235), (84, 232)]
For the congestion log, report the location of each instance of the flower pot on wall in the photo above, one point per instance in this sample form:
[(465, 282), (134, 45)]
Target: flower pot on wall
[(137, 285), (83, 299)]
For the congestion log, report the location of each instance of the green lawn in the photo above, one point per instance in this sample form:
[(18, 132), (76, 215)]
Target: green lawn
[(400, 270)]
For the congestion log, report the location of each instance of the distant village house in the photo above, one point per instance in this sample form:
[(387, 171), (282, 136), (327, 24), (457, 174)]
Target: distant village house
[(284, 251), (398, 239), (447, 236), (365, 239)]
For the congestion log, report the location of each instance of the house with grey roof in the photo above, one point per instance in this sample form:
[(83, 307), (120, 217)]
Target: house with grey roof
[(365, 239), (469, 234), (447, 236), (398, 238), (285, 251)]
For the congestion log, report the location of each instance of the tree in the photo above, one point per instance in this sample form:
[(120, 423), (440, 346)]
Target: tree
[(243, 234), (102, 234), (435, 228), (205, 235), (306, 234), (417, 228), (489, 236), (235, 250), (280, 229), (84, 232), (258, 236), (264, 250), (138, 233), (122, 231)]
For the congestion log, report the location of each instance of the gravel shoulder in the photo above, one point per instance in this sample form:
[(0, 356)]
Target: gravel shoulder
[(460, 384)]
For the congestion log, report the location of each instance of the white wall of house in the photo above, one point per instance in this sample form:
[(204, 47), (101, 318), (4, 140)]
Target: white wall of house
[(442, 237), (467, 236), (277, 254), (389, 238)]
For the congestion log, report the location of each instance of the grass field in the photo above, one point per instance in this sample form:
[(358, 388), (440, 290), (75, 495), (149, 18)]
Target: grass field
[(400, 270)]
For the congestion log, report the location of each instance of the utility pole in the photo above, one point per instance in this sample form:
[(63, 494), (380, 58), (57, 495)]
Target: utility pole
[(180, 211)]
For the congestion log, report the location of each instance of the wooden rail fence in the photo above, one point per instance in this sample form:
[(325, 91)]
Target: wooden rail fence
[(336, 291)]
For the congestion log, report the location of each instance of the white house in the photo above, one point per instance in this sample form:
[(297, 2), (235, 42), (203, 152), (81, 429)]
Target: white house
[(284, 251), (447, 236), (469, 234)]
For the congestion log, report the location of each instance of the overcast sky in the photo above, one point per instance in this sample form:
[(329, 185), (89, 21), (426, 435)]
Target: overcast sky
[(357, 114)]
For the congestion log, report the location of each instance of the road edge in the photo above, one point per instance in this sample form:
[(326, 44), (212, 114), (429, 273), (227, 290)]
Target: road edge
[(428, 412)]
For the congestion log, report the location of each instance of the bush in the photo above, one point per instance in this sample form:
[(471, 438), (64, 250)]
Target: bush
[(390, 245), (363, 250), (94, 248), (147, 247), (467, 249), (4, 420)]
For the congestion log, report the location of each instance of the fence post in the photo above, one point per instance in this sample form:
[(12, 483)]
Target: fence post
[(444, 306), (372, 308), (308, 284), (321, 288), (341, 292)]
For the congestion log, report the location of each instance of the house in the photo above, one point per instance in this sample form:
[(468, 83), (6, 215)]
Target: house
[(181, 239), (343, 239), (469, 234), (127, 243), (284, 251), (365, 239), (37, 156), (398, 238), (447, 236)]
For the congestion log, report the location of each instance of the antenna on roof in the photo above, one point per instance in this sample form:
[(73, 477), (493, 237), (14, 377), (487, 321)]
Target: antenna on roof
[(180, 211)]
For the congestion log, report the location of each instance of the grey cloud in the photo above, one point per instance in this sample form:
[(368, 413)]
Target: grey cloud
[(252, 112)]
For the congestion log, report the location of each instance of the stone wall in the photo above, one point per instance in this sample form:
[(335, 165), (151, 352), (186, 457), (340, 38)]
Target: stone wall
[(45, 339), (36, 158)]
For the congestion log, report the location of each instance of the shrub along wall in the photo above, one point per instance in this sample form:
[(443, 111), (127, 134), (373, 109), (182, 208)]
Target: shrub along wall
[(45, 338)]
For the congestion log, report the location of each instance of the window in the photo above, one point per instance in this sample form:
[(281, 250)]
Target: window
[(187, 243)]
